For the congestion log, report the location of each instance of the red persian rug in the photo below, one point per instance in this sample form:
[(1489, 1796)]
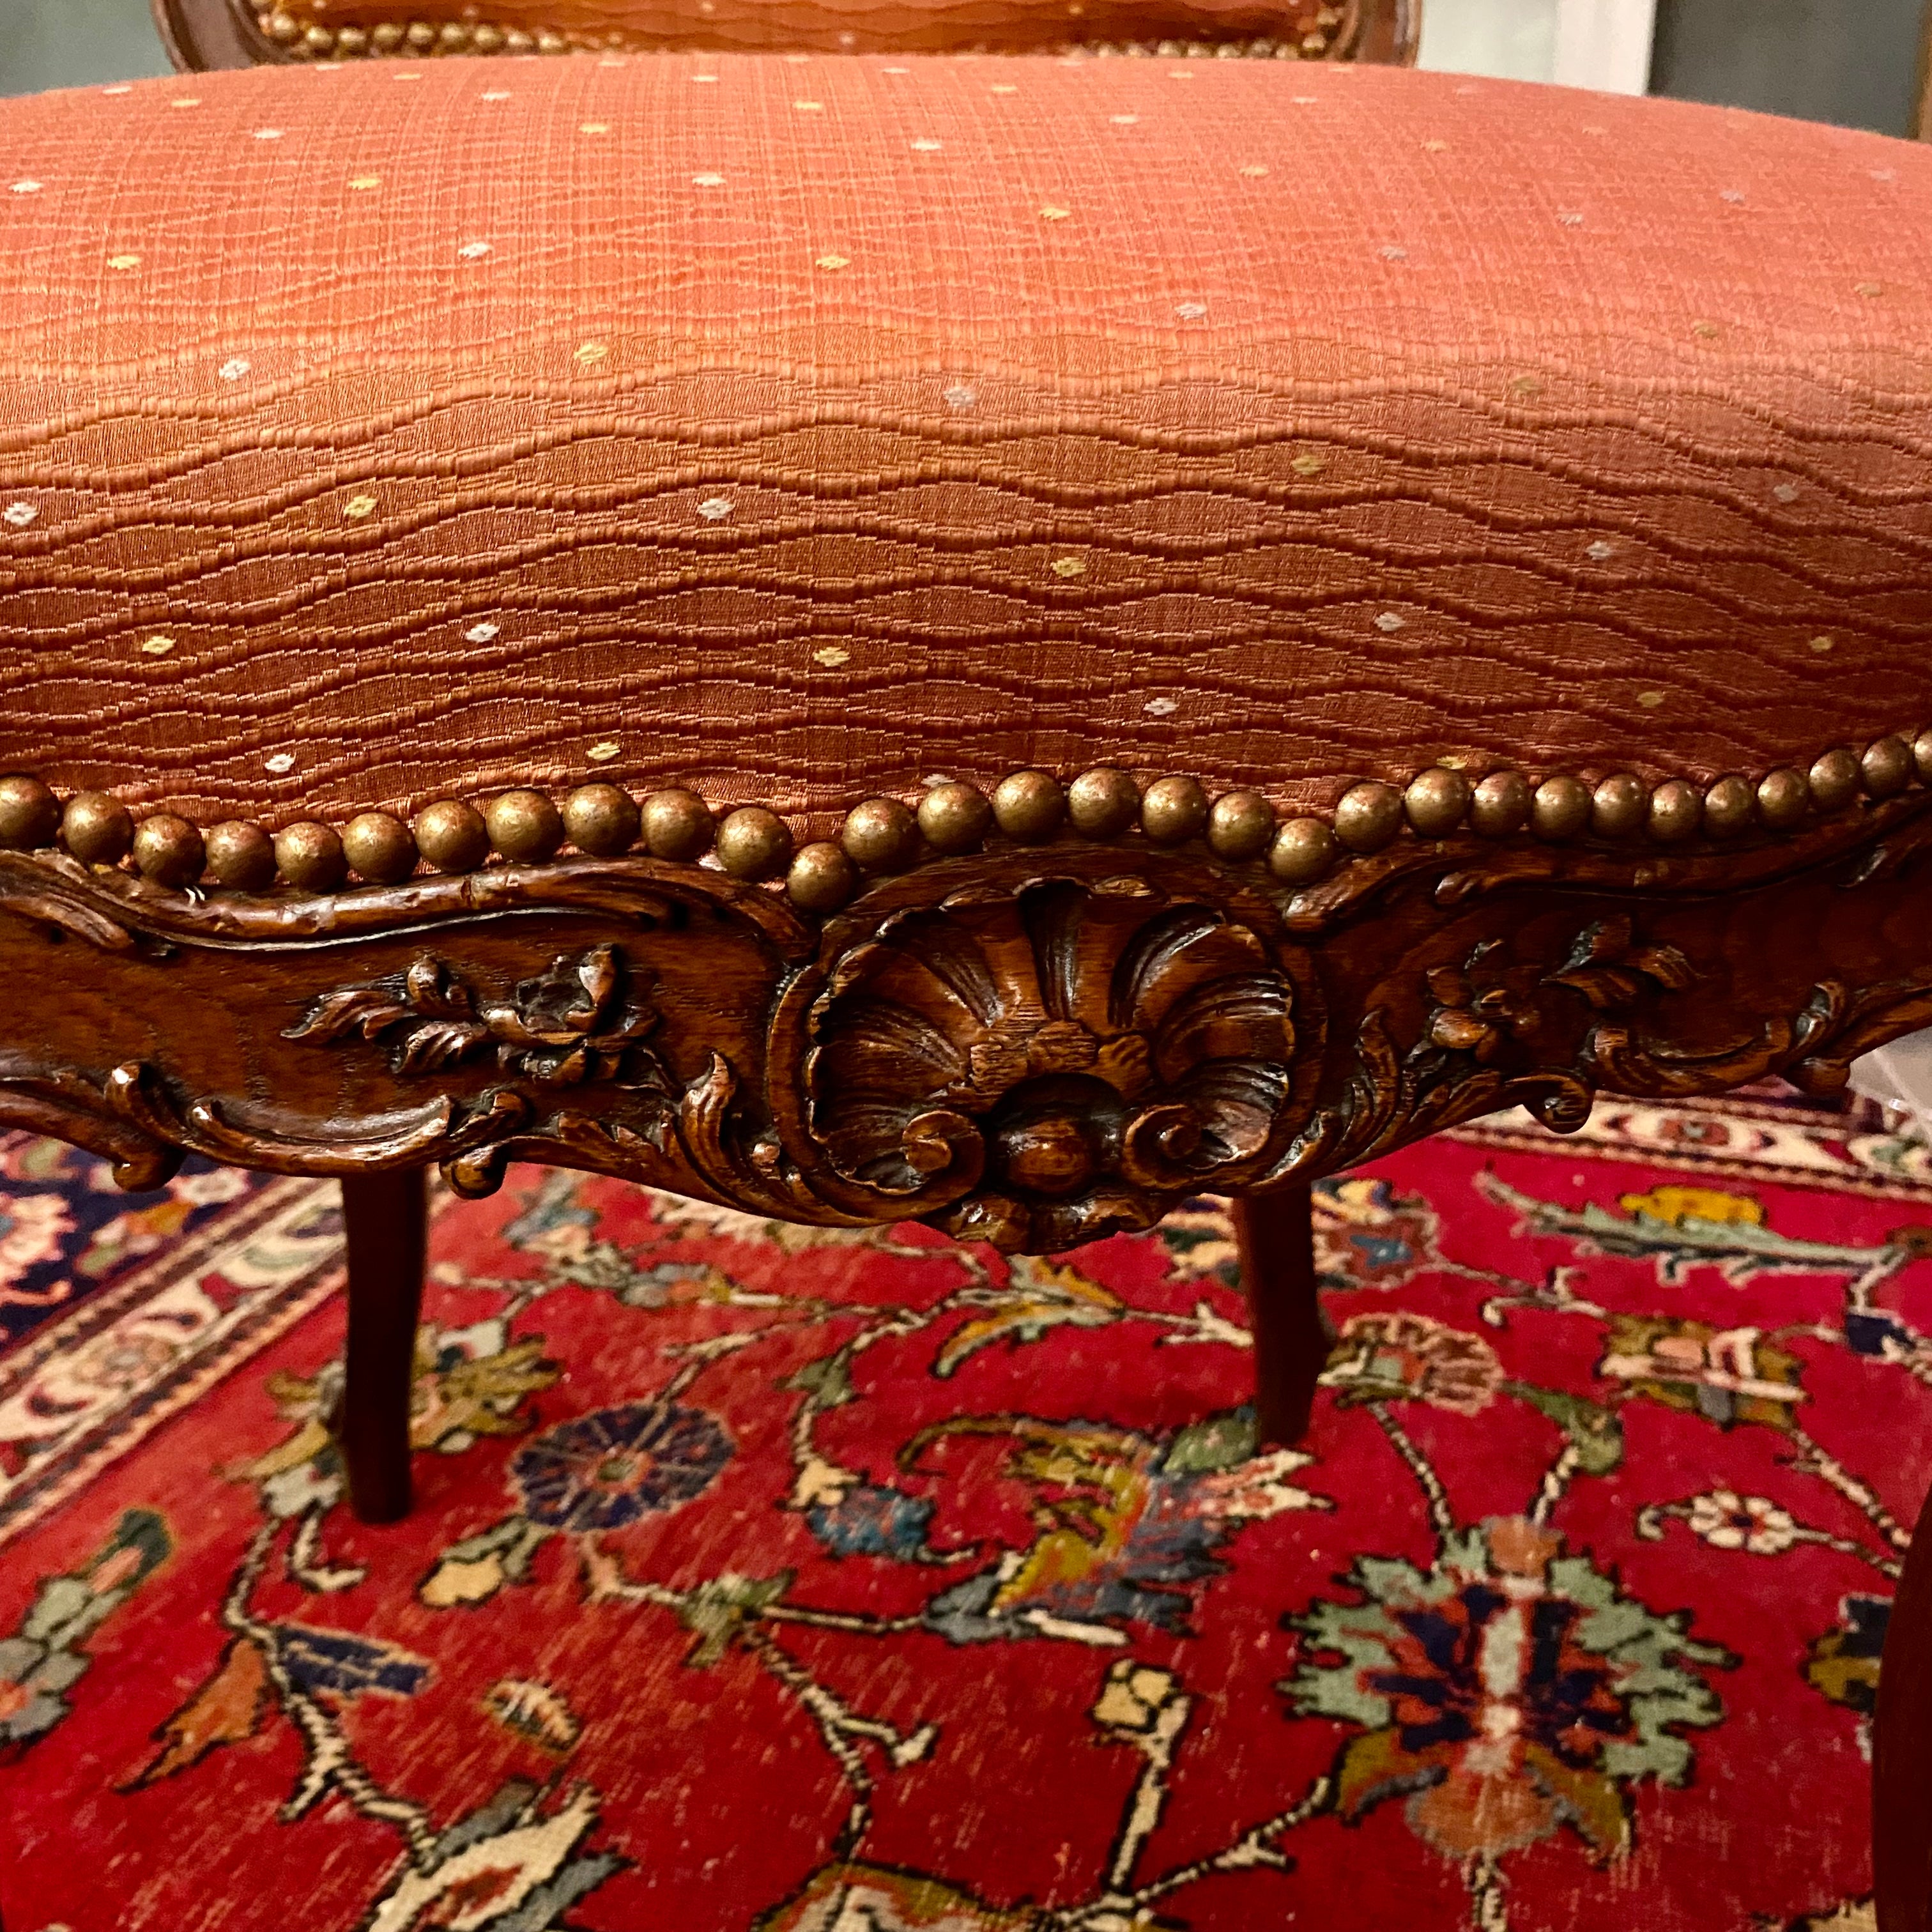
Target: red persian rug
[(864, 1583)]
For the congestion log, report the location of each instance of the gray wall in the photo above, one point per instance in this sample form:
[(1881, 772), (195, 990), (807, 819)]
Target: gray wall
[(1852, 61), (75, 43)]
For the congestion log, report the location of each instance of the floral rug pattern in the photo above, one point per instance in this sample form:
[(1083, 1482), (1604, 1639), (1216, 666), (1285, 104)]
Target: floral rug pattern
[(800, 1581)]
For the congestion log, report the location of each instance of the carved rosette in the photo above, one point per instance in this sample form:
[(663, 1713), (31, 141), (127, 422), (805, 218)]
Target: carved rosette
[(1037, 1067)]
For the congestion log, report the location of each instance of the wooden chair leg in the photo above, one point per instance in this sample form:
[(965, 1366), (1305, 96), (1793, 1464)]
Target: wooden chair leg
[(386, 1216), (1902, 1749), (1276, 1234)]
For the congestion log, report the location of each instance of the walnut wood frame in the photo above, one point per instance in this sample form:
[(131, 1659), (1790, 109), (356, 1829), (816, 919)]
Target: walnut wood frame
[(204, 34)]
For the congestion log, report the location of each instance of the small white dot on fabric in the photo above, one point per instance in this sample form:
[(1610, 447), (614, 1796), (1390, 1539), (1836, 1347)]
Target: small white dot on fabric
[(268, 134), (707, 181), (1569, 218), (1650, 700), (124, 262), (1190, 311), (1051, 213), (907, 70), (1733, 195), (808, 107), (362, 183), (926, 145), (1254, 170), (705, 79), (495, 93), (714, 508), (1469, 90), (1305, 99), (1785, 492), (798, 60), (359, 507), (1600, 549), (119, 89), (481, 633), (406, 76), (604, 750), (156, 646), (932, 779), (998, 86), (1161, 707), (1821, 645), (186, 100), (1884, 174), (1069, 566), (610, 61), (961, 396), (25, 186), (235, 368), (831, 656), (1180, 73), (1389, 621), (474, 251), (1124, 120), (588, 354), (594, 128), (1395, 252), (279, 762), (832, 264), (19, 514)]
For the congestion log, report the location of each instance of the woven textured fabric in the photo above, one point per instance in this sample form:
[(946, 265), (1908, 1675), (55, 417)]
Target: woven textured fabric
[(799, 428)]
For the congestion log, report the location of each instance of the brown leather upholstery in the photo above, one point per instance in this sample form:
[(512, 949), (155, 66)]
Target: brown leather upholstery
[(803, 428)]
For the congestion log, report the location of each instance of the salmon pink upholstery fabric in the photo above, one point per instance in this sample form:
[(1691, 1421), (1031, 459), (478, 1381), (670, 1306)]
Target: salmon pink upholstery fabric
[(802, 428)]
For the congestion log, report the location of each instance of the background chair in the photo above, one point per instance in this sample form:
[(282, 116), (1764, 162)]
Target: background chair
[(1093, 630)]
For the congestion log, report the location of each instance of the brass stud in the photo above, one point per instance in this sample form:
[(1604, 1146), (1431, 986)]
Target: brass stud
[(753, 843), (489, 40), (1173, 809), (387, 38), (1886, 767), (452, 37), (1500, 805), (1921, 755), (421, 35), (1028, 806), (168, 850), (1783, 798), (954, 817), (1835, 780), (516, 40), (1727, 806), (318, 39), (602, 819), (451, 835), (1369, 816), (1676, 812), (96, 829), (1241, 825), (379, 847), (677, 825), (524, 826), (1303, 849), (881, 834), (30, 814), (1436, 800), (1620, 806), (352, 41), (240, 855), (309, 856), (822, 878), (1103, 802), (1559, 807)]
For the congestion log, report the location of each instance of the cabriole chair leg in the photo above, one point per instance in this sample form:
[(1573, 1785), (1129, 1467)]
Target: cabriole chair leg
[(1902, 1749), (1275, 1234), (386, 1216)]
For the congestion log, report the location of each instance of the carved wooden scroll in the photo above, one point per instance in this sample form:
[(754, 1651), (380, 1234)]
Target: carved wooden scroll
[(1036, 1046)]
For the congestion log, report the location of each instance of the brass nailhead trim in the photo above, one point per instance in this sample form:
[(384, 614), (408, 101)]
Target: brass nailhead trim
[(1325, 39), (885, 834)]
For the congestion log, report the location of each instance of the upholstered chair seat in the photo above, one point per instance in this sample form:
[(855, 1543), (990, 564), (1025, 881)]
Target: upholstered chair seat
[(798, 431)]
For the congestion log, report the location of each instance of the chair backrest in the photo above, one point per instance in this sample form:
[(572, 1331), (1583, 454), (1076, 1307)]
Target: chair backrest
[(203, 33)]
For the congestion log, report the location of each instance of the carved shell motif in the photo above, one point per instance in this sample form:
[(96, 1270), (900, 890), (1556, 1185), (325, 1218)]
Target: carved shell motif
[(1046, 1066)]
